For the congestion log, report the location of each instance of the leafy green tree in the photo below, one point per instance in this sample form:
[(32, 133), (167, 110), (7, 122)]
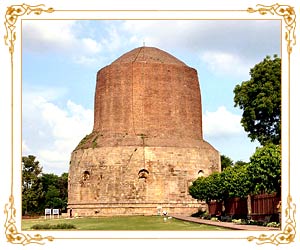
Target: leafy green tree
[(261, 175), (237, 182), (265, 169), (63, 189), (40, 190), (239, 163), (226, 162), (55, 189), (32, 190), (208, 188), (199, 189), (52, 198), (260, 100)]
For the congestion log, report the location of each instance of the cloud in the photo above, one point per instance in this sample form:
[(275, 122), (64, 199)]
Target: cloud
[(25, 148), (113, 38), (225, 63), (249, 37), (59, 36), (247, 40), (91, 45), (221, 123), (231, 46), (51, 133), (32, 92)]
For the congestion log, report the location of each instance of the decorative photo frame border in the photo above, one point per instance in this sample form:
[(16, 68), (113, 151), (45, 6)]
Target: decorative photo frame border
[(15, 13)]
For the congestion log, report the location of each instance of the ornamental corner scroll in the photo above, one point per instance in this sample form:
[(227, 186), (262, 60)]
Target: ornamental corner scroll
[(289, 16), (11, 17), (13, 13)]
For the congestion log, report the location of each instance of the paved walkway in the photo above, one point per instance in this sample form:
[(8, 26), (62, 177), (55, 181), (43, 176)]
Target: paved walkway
[(224, 224)]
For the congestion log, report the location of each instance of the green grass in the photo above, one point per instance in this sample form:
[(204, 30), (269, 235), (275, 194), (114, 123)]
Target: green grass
[(138, 223)]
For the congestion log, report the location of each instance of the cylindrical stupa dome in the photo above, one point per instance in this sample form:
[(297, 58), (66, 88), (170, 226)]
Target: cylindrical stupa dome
[(148, 91), (146, 147)]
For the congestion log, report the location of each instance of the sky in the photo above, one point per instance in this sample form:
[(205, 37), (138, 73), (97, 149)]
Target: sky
[(60, 60)]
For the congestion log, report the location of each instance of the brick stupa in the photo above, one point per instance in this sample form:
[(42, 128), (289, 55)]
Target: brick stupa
[(147, 145)]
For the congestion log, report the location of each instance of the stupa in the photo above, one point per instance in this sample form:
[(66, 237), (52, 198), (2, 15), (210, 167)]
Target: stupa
[(147, 144)]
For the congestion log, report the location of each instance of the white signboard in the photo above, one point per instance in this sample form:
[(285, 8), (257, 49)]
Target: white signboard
[(55, 212), (47, 212)]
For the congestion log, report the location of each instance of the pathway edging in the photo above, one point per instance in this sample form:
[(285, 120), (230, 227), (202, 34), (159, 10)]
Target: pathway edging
[(224, 224)]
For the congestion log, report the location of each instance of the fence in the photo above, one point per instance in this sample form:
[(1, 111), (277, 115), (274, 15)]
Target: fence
[(237, 207), (261, 206), (214, 207)]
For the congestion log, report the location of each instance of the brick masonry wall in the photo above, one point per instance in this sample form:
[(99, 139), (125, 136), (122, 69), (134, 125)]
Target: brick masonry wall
[(147, 146), (148, 98), (111, 175)]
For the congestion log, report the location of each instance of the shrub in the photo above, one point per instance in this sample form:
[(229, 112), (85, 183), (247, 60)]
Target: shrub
[(199, 214), (273, 224), (239, 221), (57, 226), (41, 226)]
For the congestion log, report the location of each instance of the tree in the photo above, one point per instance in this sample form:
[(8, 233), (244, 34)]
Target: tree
[(198, 190), (55, 189), (261, 175), (265, 169), (237, 182), (63, 189), (260, 100), (32, 190), (208, 188), (226, 162), (239, 163), (40, 190)]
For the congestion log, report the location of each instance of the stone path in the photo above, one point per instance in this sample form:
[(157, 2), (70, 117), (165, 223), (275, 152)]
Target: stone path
[(225, 224)]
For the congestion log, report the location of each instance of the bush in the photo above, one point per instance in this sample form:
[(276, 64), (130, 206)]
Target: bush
[(57, 226), (206, 216), (239, 221), (273, 224), (199, 214)]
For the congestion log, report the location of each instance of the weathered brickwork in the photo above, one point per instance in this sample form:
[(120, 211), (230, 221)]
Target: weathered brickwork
[(147, 144)]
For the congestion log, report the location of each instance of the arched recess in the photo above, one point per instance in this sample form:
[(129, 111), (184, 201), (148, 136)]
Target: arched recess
[(200, 173), (143, 174)]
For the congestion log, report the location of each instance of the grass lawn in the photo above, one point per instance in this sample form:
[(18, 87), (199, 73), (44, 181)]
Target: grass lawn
[(138, 223)]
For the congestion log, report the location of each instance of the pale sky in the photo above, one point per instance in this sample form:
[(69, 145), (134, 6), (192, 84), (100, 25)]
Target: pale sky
[(60, 59)]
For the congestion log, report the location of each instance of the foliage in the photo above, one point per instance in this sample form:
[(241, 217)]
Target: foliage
[(232, 182), (261, 175), (55, 226), (260, 100), (226, 162), (273, 224), (239, 163), (39, 190), (56, 190), (208, 188), (198, 189), (237, 181), (239, 221), (265, 169), (31, 185)]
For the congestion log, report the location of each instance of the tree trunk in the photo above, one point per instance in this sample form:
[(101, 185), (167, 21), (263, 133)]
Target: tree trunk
[(249, 206)]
